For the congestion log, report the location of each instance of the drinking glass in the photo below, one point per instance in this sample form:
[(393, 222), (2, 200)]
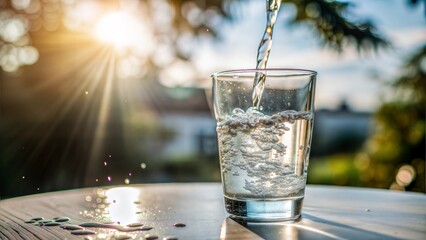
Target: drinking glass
[(264, 150)]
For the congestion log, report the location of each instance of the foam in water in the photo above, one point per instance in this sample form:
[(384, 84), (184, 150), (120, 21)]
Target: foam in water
[(264, 156)]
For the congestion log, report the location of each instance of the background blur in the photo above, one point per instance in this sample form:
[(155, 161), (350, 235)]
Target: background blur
[(103, 92)]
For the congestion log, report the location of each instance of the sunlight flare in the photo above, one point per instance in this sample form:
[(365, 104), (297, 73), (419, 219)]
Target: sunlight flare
[(123, 30)]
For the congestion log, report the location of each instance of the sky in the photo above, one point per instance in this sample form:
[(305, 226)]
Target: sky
[(359, 79)]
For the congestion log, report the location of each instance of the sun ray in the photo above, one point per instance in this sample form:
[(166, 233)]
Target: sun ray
[(102, 117), (91, 76)]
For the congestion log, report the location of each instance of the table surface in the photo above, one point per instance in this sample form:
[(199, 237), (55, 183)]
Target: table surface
[(328, 213)]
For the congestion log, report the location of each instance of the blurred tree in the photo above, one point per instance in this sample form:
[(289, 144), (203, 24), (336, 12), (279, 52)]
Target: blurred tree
[(397, 146), (330, 19), (189, 18)]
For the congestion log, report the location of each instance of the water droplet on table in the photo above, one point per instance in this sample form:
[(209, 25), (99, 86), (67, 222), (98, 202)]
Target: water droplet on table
[(83, 232), (151, 237), (170, 238), (62, 219), (146, 228), (51, 224), (123, 237), (45, 221), (135, 225), (72, 227), (179, 225), (96, 225)]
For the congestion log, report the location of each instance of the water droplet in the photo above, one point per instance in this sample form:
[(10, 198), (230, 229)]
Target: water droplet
[(115, 226), (179, 225), (126, 181), (45, 221), (72, 227), (135, 225), (122, 237), (151, 237), (143, 165), (145, 228), (88, 198), (109, 178), (83, 232), (170, 238), (367, 210), (51, 224), (62, 219)]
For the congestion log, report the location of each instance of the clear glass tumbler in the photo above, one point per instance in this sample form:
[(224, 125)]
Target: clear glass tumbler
[(264, 151)]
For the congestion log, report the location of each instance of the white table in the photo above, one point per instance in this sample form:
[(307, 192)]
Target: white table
[(328, 213)]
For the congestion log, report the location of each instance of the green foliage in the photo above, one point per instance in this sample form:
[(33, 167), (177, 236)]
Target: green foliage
[(327, 18), (336, 30), (400, 124)]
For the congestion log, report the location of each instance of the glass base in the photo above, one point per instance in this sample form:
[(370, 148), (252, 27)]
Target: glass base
[(265, 210)]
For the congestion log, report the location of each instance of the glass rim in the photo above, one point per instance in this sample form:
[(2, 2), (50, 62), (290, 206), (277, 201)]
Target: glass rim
[(290, 72)]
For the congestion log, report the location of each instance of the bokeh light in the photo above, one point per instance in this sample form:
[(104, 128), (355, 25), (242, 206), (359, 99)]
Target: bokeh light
[(122, 208), (125, 32), (406, 174)]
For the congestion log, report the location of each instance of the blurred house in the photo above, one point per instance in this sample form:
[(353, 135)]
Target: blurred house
[(186, 112), (340, 130)]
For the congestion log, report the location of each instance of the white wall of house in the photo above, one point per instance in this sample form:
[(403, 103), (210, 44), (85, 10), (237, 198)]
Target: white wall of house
[(187, 127)]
